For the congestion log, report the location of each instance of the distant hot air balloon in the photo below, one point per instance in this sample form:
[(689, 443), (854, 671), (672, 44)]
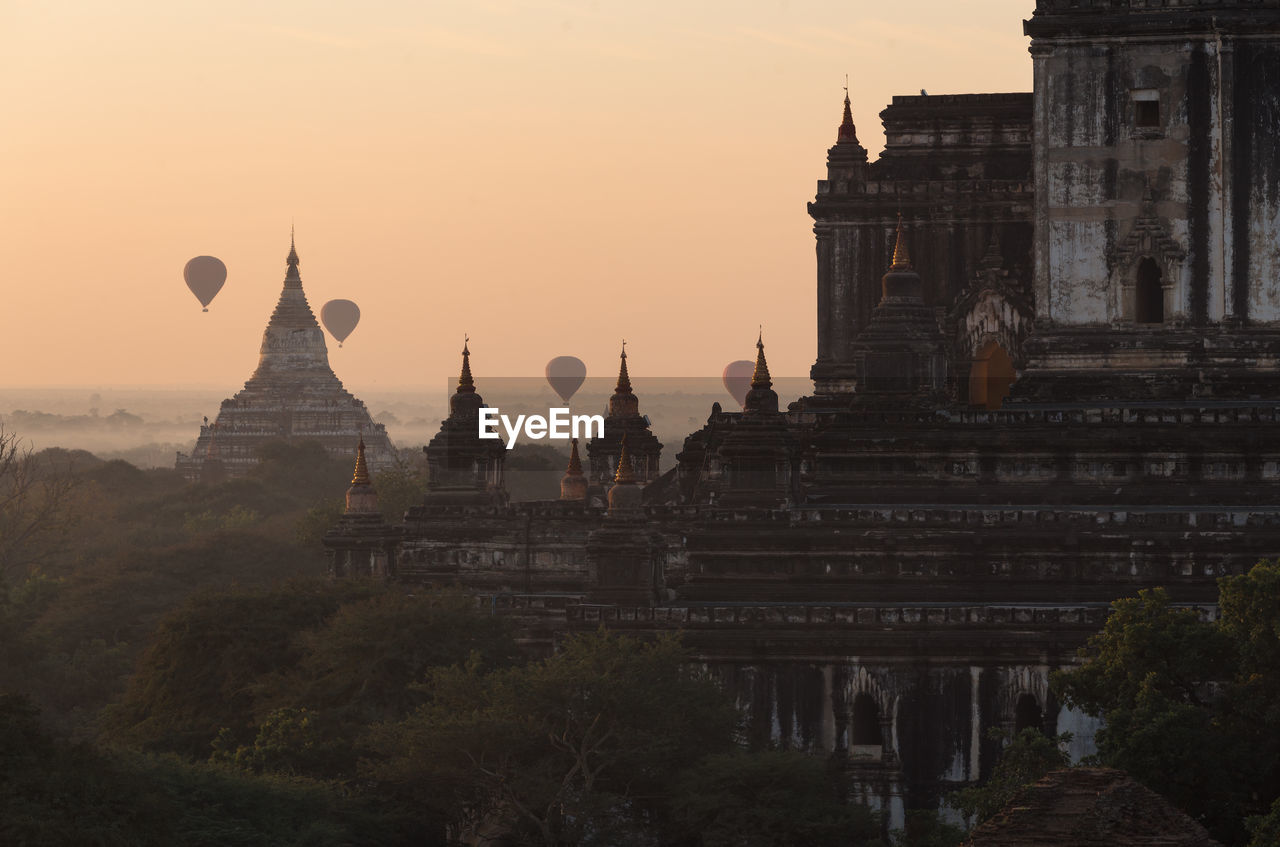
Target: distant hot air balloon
[(205, 276), (737, 379), (566, 373), (340, 318)]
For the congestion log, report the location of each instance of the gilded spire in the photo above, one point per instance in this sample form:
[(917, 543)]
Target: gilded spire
[(760, 376), (575, 461), (465, 383), (847, 132), (573, 485), (624, 379), (901, 259), (361, 476), (626, 474)]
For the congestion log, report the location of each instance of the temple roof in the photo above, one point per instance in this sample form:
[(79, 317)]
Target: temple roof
[(1089, 807)]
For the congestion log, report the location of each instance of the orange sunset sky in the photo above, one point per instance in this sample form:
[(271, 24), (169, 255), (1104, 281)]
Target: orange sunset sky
[(548, 176)]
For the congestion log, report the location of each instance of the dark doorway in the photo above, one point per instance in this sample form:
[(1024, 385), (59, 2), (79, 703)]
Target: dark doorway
[(866, 722), (1027, 714), (1150, 293), (990, 377)]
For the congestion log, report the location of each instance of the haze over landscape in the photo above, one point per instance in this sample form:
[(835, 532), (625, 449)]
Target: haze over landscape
[(550, 177), (961, 535)]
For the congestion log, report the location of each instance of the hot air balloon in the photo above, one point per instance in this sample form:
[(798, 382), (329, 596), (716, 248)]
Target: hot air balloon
[(205, 276), (566, 373), (340, 318), (737, 379)]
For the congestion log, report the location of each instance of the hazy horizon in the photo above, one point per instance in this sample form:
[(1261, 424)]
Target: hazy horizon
[(548, 177)]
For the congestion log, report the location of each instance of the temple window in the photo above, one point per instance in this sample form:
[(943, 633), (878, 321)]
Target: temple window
[(1146, 108), (1149, 295)]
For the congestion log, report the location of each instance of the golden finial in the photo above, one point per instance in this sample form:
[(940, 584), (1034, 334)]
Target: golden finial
[(465, 383), (361, 476), (626, 474), (760, 376), (901, 259), (575, 462), (624, 378)]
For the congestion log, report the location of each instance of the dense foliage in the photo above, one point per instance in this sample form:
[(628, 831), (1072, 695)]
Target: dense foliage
[(1192, 706), (198, 681)]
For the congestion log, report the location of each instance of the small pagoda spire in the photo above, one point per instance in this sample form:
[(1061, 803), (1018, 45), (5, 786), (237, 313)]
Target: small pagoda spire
[(575, 461), (760, 376), (466, 385), (362, 498), (573, 485), (901, 258), (624, 378), (848, 132), (361, 475), (292, 274), (626, 474)]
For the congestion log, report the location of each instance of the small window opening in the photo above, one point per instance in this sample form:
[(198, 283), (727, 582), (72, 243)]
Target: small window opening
[(1146, 114), (1027, 714), (1149, 306), (866, 722)]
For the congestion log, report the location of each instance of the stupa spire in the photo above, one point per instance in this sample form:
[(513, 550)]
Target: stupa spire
[(901, 258), (291, 275), (760, 376), (624, 378), (575, 461), (626, 474), (361, 475), (292, 310), (847, 132), (466, 385), (573, 485), (362, 499)]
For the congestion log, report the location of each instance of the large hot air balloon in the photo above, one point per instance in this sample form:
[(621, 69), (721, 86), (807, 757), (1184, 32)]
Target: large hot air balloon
[(340, 318), (737, 379), (566, 374), (205, 276)]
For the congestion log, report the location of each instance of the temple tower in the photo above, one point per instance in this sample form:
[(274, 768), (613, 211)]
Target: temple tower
[(462, 467), (293, 395), (624, 419), (361, 544), (757, 454), (959, 167), (625, 556), (901, 356)]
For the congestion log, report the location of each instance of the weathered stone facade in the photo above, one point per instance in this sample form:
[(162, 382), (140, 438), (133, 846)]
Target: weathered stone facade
[(1157, 185), (293, 395), (891, 566)]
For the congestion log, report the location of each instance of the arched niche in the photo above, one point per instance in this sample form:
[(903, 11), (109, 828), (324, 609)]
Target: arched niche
[(990, 376), (1148, 293)]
